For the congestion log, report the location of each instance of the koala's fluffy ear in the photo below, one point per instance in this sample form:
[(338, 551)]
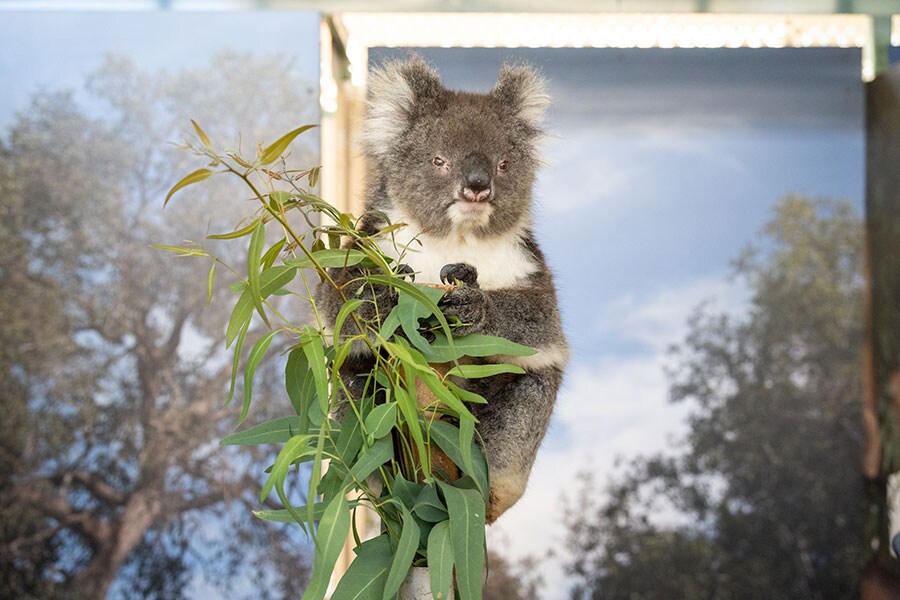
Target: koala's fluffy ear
[(522, 93), (398, 91)]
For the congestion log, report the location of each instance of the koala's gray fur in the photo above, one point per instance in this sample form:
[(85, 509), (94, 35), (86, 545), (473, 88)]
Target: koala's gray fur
[(459, 168)]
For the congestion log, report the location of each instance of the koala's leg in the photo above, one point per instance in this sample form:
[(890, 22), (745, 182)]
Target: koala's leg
[(512, 426)]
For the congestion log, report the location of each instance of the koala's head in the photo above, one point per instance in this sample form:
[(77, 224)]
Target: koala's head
[(455, 161)]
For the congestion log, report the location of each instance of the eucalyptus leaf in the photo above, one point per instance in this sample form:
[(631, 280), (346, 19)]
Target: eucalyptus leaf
[(403, 555), (365, 578), (330, 537), (276, 431), (253, 359), (440, 560), (270, 281), (467, 523), (487, 370), (189, 179), (381, 420), (274, 150)]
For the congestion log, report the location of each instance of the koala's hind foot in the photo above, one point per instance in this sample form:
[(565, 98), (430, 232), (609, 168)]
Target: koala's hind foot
[(506, 489), (456, 273)]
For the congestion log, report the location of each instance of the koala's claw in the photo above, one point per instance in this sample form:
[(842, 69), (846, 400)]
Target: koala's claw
[(455, 273), (406, 270)]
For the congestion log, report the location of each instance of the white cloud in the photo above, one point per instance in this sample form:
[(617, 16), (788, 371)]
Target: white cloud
[(659, 321)]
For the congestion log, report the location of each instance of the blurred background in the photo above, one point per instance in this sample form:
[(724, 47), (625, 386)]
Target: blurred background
[(703, 203)]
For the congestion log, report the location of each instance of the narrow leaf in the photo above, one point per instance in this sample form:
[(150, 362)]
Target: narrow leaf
[(466, 509), (330, 538), (182, 251), (191, 178), (270, 282), (376, 455), (365, 578), (256, 354), (235, 362), (253, 259), (446, 436), (403, 556), (202, 135), (274, 150), (329, 258), (381, 420), (237, 233), (440, 560), (487, 370), (210, 282), (276, 431)]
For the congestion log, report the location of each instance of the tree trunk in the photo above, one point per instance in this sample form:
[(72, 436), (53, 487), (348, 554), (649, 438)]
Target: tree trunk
[(141, 510)]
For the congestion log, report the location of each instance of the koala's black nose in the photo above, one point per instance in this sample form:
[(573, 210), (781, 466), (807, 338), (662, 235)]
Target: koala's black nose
[(476, 178)]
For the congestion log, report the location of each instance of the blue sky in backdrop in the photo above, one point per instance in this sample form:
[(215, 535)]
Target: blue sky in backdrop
[(661, 166)]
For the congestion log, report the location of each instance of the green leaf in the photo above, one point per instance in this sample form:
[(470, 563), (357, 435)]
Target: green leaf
[(315, 355), (381, 420), (313, 177), (276, 431), (365, 578), (447, 436), (421, 293), (299, 384), (202, 135), (465, 395), (410, 411), (403, 556), (189, 179), (428, 506), (270, 281), (488, 370), (278, 198), (373, 457), (330, 537), (274, 150), (406, 491), (343, 314), (466, 509), (237, 233), (294, 448), (329, 258), (440, 350), (256, 354), (235, 362), (210, 282), (283, 515), (440, 560), (268, 259), (409, 310), (253, 259), (182, 251)]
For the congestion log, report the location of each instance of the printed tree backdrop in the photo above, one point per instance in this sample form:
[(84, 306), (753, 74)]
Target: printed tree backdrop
[(765, 498), (113, 388)]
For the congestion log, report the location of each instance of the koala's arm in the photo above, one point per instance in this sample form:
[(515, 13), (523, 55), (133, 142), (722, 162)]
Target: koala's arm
[(526, 313)]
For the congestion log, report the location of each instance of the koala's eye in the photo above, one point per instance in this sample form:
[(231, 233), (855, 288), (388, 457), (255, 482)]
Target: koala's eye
[(502, 166), (438, 161)]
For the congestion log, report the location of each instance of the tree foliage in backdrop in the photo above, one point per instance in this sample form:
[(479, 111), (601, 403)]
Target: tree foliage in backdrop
[(112, 374), (765, 498)]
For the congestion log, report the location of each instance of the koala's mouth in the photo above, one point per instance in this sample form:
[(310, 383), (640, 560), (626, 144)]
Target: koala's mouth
[(471, 212)]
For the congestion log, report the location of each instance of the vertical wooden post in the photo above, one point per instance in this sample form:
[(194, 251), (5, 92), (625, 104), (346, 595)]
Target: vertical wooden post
[(881, 355)]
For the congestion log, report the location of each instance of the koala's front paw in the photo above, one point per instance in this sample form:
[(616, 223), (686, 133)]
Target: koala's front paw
[(469, 305), (405, 270), (456, 273)]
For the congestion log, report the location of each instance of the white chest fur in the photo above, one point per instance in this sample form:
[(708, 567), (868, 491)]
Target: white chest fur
[(501, 262)]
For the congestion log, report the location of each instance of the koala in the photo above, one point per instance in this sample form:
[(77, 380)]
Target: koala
[(458, 168)]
